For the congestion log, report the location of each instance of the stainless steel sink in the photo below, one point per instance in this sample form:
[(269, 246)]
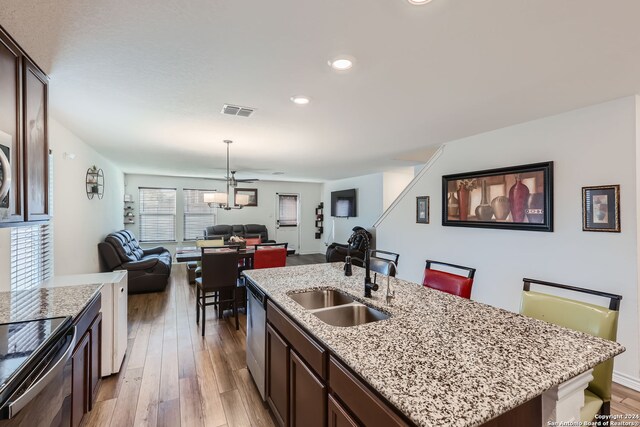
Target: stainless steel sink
[(321, 298), (350, 315)]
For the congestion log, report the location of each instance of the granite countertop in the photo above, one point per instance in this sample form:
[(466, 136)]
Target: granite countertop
[(41, 303), (440, 359)]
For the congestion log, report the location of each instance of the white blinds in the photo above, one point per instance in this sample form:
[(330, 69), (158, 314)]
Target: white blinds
[(287, 210), (157, 214), (31, 256), (197, 214)]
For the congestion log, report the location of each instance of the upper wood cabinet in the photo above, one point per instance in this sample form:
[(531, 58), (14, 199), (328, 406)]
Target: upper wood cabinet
[(11, 204), (36, 144), (24, 142)]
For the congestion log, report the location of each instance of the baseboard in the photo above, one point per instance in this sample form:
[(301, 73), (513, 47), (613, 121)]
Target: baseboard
[(626, 380), (310, 253)]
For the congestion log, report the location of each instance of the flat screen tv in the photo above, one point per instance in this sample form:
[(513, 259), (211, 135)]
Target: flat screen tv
[(343, 203)]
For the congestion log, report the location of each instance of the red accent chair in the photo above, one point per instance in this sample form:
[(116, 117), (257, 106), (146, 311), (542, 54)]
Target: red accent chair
[(448, 282), (270, 255)]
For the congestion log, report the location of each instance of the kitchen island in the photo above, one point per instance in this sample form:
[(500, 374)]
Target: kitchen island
[(438, 360)]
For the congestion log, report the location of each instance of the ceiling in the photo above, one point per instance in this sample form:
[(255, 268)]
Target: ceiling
[(144, 81)]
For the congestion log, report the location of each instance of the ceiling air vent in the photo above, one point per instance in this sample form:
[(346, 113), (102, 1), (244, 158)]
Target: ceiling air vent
[(235, 110)]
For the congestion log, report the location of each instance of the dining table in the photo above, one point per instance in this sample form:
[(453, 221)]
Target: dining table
[(187, 254)]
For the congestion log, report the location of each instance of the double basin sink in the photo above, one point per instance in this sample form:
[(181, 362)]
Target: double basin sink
[(337, 308)]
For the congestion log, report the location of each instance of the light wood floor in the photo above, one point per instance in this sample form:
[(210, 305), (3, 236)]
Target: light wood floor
[(171, 376)]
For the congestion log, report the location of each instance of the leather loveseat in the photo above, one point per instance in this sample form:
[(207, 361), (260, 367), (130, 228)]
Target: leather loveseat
[(247, 230), (336, 252), (149, 269)]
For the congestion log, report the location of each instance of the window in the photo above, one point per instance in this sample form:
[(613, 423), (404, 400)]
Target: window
[(287, 210), (197, 214), (157, 214), (31, 256)]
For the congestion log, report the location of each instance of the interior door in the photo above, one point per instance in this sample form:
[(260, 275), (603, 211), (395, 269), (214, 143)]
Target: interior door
[(288, 220)]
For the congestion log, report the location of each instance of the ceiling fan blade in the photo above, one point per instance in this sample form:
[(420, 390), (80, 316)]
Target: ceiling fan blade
[(218, 179), (248, 180)]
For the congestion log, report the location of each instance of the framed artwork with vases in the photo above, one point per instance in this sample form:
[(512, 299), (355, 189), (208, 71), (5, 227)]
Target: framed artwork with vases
[(515, 198), (601, 208)]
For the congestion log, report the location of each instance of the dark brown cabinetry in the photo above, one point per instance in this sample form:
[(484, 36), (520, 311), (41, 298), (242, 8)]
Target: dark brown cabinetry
[(86, 361), (278, 376), (36, 147), (23, 135), (308, 395), (79, 380), (11, 206), (95, 331), (338, 416)]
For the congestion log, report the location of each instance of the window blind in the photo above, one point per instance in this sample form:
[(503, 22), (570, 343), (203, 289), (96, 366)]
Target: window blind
[(157, 214), (287, 210), (197, 214)]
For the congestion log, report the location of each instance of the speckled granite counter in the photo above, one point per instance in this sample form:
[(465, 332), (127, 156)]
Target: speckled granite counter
[(440, 359), (41, 303)]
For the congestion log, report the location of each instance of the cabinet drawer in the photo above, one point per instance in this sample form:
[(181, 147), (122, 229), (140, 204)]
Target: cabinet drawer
[(361, 401), (305, 346)]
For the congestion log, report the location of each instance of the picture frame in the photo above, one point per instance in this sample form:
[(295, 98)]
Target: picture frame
[(422, 210), (601, 208), (251, 192), (514, 198)]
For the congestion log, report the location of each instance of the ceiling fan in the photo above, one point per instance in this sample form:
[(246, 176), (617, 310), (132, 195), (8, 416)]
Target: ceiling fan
[(222, 200), (231, 179)]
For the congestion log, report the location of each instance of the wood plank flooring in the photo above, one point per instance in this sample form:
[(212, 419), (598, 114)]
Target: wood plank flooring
[(171, 376)]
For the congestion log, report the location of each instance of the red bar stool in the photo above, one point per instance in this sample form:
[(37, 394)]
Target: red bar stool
[(448, 282)]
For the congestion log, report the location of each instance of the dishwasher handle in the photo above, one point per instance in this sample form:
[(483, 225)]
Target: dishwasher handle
[(45, 378)]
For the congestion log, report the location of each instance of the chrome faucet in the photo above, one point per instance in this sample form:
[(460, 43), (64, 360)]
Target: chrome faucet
[(391, 295), (368, 286)]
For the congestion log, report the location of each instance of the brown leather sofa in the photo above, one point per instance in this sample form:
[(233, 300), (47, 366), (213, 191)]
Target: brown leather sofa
[(149, 269), (247, 230)]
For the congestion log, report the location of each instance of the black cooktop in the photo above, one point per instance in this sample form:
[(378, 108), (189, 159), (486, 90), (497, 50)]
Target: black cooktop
[(22, 343)]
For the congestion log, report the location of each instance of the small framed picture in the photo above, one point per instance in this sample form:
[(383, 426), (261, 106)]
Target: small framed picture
[(422, 210), (601, 208), (251, 192)]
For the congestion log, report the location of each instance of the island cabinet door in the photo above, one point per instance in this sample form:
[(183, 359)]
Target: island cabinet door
[(278, 376), (79, 381), (96, 352), (338, 416), (308, 401)]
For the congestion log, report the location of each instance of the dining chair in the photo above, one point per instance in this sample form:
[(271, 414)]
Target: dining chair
[(219, 280), (206, 243), (581, 316), (450, 283), (383, 262), (270, 255)]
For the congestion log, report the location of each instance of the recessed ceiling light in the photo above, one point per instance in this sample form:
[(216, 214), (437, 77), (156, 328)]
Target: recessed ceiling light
[(341, 63), (300, 100), (419, 2)]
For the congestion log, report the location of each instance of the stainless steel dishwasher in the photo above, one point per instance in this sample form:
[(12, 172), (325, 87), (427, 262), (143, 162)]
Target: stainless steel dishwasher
[(256, 335)]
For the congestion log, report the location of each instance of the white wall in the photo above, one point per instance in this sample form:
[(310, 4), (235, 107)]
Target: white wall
[(369, 205), (264, 213), (590, 146), (79, 223), (393, 183)]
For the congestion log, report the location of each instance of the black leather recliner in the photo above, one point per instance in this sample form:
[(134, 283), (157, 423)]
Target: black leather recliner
[(149, 269), (219, 231), (336, 252)]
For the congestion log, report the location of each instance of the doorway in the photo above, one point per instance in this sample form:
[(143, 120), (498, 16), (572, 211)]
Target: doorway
[(288, 220)]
